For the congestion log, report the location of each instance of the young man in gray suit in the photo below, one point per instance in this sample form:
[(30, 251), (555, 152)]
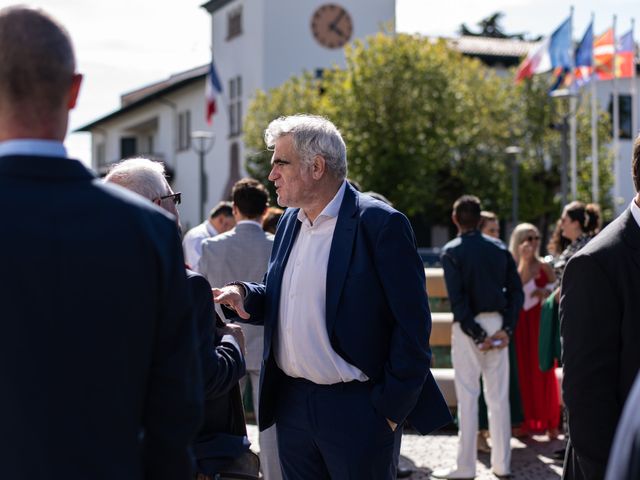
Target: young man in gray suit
[(600, 329), (239, 254)]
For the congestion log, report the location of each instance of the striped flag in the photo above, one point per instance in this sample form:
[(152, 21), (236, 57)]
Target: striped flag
[(213, 88), (551, 53)]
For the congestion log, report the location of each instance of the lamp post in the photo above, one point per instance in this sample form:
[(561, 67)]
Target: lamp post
[(202, 143), (515, 206), (567, 120)]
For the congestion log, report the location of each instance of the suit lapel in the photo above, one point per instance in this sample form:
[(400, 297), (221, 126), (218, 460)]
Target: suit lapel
[(340, 254)]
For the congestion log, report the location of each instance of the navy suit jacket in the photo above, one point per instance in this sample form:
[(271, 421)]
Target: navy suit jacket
[(377, 312), (223, 434), (600, 330), (98, 359)]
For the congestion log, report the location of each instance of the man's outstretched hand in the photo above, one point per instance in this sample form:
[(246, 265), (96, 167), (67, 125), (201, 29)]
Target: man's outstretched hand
[(231, 296)]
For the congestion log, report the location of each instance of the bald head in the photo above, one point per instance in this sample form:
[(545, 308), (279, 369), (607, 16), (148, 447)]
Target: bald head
[(37, 68)]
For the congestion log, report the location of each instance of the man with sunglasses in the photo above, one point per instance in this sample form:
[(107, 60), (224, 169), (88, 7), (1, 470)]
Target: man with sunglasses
[(99, 371), (223, 434)]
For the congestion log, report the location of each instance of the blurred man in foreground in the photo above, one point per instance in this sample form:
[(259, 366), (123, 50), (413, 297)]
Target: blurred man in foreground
[(100, 374)]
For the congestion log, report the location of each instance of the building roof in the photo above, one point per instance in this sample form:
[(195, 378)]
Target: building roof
[(148, 93), (497, 47), (213, 5)]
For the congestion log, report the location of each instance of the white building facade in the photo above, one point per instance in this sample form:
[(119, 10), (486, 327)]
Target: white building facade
[(256, 45)]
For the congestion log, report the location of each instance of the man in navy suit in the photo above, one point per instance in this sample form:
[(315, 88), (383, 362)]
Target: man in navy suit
[(347, 322), (98, 358)]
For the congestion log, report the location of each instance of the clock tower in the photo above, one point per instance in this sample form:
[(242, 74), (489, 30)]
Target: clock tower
[(258, 44)]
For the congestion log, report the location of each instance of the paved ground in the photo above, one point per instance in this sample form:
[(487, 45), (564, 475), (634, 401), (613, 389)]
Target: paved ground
[(531, 458)]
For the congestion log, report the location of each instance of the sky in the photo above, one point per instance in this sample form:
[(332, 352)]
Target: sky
[(122, 45)]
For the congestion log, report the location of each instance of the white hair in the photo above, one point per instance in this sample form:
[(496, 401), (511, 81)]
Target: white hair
[(140, 175), (312, 135)]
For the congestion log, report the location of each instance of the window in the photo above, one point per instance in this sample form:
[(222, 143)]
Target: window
[(235, 106), (624, 118), (234, 23), (128, 147), (184, 130), (100, 154)]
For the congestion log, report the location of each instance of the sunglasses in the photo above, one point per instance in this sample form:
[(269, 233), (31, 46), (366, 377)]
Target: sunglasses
[(531, 238), (176, 197)]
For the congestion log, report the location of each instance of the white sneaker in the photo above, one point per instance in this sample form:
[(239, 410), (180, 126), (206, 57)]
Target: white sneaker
[(452, 473)]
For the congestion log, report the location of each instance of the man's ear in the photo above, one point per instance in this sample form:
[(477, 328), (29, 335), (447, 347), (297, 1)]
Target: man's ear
[(74, 90), (318, 167)]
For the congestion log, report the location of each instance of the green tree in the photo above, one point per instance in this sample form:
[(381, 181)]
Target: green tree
[(424, 124)]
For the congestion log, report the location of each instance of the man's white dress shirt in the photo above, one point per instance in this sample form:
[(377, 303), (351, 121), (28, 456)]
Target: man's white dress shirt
[(303, 349)]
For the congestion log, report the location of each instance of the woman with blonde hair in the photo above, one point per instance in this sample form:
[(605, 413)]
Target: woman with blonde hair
[(539, 390)]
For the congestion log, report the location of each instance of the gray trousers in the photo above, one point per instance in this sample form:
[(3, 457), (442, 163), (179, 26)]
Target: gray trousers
[(269, 457)]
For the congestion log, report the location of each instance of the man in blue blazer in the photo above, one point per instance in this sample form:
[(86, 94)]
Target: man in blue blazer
[(347, 322), (98, 358)]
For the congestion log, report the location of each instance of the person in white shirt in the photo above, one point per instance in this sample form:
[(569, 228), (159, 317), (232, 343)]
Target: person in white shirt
[(220, 220), (347, 322)]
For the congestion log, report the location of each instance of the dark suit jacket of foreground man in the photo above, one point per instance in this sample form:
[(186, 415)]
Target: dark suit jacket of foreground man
[(377, 312), (100, 375), (600, 327)]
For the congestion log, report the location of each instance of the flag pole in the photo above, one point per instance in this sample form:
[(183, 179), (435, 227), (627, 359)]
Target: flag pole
[(616, 123), (595, 173), (572, 125), (634, 99)]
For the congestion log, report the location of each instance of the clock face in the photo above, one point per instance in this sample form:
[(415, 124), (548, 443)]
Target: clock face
[(331, 26)]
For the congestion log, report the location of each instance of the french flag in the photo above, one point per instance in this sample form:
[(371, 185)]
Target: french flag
[(552, 52), (213, 88)]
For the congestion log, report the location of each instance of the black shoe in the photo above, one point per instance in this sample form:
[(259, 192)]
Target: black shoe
[(403, 472)]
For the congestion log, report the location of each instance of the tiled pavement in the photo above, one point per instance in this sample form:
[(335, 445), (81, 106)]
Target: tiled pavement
[(531, 458)]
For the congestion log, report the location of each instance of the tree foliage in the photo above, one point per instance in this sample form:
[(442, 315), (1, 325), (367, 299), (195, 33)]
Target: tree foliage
[(424, 124)]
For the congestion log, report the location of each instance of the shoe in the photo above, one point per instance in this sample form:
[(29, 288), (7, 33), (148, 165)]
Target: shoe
[(483, 446), (451, 473), (403, 472), (503, 475)]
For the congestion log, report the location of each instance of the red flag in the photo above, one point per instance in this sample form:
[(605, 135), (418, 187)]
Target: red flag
[(603, 55), (624, 56)]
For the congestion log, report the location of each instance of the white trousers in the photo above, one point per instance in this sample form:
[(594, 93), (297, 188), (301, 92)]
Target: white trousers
[(269, 457), (469, 363)]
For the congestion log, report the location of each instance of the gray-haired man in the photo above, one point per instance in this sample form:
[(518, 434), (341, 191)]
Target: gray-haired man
[(347, 323)]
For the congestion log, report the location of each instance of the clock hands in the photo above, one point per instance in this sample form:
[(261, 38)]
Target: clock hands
[(338, 31), (333, 26)]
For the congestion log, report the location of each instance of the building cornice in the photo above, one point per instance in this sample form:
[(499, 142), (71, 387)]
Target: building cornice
[(213, 5)]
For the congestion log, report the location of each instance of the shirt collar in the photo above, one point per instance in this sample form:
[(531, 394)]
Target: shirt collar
[(33, 147), (250, 222), (635, 211), (331, 210), (210, 228)]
